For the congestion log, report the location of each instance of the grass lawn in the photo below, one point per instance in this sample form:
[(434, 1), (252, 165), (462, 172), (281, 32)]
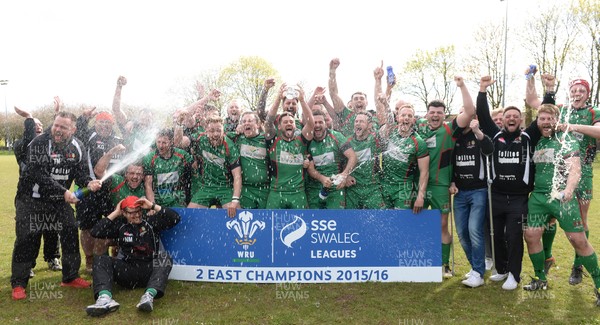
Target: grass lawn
[(362, 303)]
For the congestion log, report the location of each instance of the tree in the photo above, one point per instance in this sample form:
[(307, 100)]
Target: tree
[(550, 39), (486, 56), (430, 75), (588, 14), (244, 79), (187, 90)]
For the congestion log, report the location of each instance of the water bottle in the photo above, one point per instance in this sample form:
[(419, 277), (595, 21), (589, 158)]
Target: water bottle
[(531, 72), (335, 180), (82, 192), (324, 193), (390, 75)]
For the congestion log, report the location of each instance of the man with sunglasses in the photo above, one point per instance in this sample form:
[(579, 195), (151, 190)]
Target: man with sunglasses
[(142, 261)]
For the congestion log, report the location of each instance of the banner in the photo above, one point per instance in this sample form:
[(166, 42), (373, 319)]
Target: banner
[(307, 246)]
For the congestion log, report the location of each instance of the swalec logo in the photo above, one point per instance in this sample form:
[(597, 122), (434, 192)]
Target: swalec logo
[(293, 231)]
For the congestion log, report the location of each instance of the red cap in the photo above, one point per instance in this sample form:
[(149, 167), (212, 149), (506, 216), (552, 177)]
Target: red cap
[(130, 202), (582, 82), (105, 116)]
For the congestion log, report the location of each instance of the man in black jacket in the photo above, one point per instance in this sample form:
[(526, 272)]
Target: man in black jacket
[(54, 159), (512, 175), (32, 128), (141, 261)]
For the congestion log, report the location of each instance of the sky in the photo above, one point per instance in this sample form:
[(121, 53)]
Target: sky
[(77, 49)]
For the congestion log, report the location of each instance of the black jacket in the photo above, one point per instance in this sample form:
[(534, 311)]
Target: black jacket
[(137, 242), (49, 169)]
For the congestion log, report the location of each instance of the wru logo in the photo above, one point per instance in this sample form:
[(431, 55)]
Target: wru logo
[(245, 228)]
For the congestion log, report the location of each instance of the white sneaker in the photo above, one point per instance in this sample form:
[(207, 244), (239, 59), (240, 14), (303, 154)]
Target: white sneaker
[(146, 303), (489, 263), (468, 275), (510, 283), (104, 304), (496, 277), (474, 280)]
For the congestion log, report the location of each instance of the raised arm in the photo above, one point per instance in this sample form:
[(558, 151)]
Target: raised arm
[(318, 98), (549, 82), (338, 103), (483, 109), (83, 131), (116, 105), (104, 161), (148, 188), (309, 123), (270, 129), (464, 118), (378, 74), (181, 119), (384, 115), (262, 100), (200, 90), (57, 104)]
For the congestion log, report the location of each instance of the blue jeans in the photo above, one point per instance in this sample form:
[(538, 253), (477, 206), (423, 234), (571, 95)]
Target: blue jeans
[(469, 213)]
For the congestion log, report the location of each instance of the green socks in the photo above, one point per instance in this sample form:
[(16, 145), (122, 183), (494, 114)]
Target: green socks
[(538, 260), (548, 239), (577, 262), (445, 254), (591, 265), (105, 292), (151, 291)]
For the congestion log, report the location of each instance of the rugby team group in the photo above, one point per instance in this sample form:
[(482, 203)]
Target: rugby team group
[(334, 155)]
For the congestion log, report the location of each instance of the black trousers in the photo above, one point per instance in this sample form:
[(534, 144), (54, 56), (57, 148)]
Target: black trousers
[(510, 216), (51, 246), (33, 218), (132, 274)]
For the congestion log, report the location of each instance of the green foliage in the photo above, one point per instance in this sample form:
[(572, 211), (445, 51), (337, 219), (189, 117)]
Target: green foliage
[(588, 13), (429, 75), (244, 79)]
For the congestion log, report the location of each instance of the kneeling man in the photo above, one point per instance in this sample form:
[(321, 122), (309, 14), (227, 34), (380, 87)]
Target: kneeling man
[(141, 261)]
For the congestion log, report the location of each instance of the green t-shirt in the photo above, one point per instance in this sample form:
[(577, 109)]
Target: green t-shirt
[(347, 117), (327, 155), (253, 159), (585, 116), (216, 163), (169, 176), (119, 189), (367, 151), (440, 144), (400, 158), (550, 154), (287, 158)]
